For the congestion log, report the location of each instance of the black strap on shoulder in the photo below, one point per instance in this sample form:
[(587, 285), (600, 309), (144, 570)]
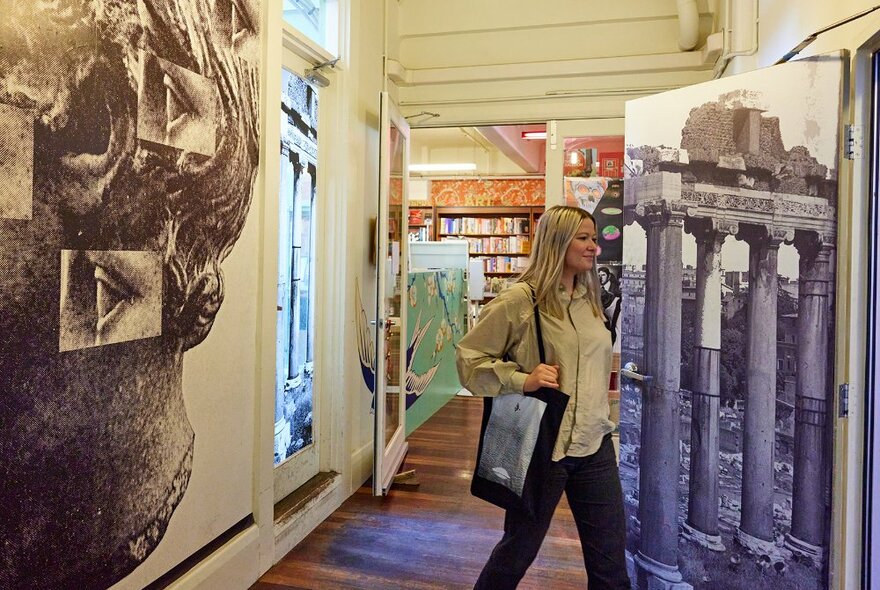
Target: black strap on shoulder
[(538, 327)]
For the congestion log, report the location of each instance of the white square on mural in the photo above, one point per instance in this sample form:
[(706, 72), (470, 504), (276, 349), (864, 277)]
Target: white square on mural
[(16, 162), (237, 23), (109, 297), (177, 107)]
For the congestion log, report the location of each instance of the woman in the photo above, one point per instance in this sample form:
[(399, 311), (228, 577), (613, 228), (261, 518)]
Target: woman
[(500, 355)]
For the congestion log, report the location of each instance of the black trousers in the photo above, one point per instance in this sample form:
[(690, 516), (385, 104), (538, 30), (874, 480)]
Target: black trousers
[(592, 486)]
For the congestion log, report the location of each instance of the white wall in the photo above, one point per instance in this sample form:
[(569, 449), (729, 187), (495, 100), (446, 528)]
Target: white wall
[(360, 201)]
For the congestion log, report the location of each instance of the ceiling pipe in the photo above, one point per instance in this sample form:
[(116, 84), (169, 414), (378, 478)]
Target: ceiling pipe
[(688, 24), (739, 23)]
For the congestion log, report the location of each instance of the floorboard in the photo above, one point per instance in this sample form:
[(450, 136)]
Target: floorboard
[(432, 537)]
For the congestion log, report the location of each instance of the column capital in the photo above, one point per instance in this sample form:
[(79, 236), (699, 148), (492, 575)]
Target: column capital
[(708, 230), (812, 244), (659, 213), (765, 234)]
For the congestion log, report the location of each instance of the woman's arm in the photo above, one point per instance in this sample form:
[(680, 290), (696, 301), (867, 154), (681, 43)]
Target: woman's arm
[(480, 354)]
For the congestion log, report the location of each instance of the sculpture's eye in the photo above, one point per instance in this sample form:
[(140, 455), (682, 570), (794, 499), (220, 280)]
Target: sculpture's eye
[(113, 297), (177, 107), (109, 297)]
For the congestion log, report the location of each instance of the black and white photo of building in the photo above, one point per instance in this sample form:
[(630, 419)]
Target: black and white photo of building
[(728, 289)]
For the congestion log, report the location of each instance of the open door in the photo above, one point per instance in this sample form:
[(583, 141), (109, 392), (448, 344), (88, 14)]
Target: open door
[(727, 409), (389, 444)]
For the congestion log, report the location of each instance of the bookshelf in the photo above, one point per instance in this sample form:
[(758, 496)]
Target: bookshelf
[(500, 236), (421, 223)]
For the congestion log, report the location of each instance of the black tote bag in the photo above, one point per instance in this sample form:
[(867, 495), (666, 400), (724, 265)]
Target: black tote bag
[(517, 437)]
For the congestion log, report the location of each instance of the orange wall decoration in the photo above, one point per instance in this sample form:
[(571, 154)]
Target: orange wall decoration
[(488, 193)]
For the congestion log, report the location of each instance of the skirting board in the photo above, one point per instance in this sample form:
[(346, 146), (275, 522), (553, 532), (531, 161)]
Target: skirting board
[(233, 567), (361, 466), (294, 528)]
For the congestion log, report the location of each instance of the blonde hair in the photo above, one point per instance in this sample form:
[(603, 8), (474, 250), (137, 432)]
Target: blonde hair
[(556, 229)]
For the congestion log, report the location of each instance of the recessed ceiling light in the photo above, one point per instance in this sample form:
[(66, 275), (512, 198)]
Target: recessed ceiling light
[(459, 167)]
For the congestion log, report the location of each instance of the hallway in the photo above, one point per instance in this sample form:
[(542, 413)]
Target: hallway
[(431, 537)]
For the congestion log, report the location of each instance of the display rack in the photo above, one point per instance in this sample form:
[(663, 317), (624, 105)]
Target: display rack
[(421, 223), (499, 236)]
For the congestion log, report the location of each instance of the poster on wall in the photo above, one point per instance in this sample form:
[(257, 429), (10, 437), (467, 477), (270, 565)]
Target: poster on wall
[(726, 447), (603, 198), (128, 154)]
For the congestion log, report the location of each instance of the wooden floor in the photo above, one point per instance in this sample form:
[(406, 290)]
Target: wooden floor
[(435, 536)]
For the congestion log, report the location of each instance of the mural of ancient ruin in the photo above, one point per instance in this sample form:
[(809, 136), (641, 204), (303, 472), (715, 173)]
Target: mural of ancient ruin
[(128, 151), (728, 284)]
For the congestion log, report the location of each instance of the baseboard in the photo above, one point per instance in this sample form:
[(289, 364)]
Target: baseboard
[(295, 525), (232, 567), (361, 466)]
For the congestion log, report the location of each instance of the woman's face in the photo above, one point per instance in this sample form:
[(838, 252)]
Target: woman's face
[(581, 253)]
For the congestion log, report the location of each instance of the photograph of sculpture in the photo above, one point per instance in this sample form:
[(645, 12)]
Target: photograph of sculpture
[(109, 297), (16, 162), (112, 247), (177, 107), (728, 287)]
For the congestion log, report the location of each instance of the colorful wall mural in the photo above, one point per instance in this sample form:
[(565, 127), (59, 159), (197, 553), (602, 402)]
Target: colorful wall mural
[(488, 193), (436, 320)]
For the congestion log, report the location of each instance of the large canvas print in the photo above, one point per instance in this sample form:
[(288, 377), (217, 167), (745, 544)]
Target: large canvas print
[(728, 284), (128, 153)]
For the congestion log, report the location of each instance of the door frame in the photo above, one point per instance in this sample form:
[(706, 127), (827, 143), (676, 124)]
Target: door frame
[(388, 458), (858, 455)]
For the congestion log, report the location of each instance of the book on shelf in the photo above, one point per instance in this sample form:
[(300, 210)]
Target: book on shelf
[(495, 245), (504, 264), (484, 225), (416, 216), (420, 234), (494, 285)]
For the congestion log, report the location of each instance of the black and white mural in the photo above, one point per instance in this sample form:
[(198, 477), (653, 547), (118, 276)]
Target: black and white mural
[(128, 153), (728, 285)]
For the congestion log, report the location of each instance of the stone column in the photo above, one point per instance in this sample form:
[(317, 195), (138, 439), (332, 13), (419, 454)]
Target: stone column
[(815, 288), (659, 462), (759, 429), (701, 525)]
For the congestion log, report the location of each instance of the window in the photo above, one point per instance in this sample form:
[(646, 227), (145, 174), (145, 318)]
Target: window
[(296, 272), (316, 19)]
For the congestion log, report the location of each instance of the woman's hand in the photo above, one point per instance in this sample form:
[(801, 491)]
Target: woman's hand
[(542, 376)]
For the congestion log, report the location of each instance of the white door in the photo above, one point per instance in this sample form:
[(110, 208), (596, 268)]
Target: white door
[(731, 201), (296, 427), (389, 425)]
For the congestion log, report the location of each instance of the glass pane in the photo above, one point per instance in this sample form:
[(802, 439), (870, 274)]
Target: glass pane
[(396, 227), (296, 283), (316, 19)]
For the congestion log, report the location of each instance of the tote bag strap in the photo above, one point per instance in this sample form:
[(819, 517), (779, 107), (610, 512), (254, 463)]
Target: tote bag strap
[(538, 327)]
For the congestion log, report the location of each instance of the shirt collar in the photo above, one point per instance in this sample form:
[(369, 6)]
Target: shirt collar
[(578, 292)]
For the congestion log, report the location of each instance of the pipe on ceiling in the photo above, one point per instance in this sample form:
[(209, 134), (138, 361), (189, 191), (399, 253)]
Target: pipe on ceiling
[(688, 24)]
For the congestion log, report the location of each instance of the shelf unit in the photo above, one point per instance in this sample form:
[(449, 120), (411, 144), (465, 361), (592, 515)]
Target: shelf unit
[(500, 236), (421, 223)]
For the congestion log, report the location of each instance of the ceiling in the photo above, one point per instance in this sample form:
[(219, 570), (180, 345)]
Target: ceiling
[(497, 150)]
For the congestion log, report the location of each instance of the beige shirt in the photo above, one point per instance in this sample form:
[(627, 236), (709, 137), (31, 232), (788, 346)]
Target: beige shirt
[(579, 343)]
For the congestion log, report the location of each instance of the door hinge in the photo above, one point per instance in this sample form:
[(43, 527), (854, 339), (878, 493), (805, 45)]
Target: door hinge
[(853, 141), (843, 400)]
